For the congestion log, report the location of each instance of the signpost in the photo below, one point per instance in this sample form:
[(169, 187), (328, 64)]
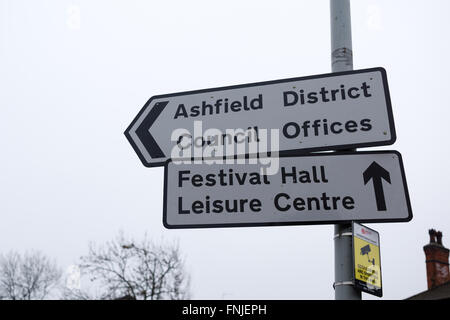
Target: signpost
[(339, 111), (323, 112), (366, 260), (324, 188), (342, 60)]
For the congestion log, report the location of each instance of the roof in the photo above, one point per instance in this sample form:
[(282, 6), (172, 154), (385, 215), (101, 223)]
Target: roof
[(440, 292)]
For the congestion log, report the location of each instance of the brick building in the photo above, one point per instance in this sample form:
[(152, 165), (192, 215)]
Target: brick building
[(438, 275)]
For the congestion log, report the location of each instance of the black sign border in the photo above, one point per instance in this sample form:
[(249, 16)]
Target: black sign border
[(283, 152), (291, 223)]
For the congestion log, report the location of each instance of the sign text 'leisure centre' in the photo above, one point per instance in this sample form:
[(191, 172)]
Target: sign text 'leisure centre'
[(311, 189)]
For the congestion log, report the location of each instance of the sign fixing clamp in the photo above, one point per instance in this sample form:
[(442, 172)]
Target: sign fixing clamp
[(343, 283), (343, 234)]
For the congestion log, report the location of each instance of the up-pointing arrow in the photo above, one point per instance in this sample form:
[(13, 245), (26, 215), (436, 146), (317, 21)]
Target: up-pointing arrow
[(376, 173)]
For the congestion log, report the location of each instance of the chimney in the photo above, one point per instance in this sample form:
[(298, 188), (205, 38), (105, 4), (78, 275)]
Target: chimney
[(436, 260)]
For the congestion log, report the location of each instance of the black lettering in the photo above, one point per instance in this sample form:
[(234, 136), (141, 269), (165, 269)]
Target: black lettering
[(322, 173), (182, 178), (296, 128), (217, 205), (181, 111), (197, 180), (293, 95), (333, 94), (365, 88), (312, 97), (314, 171), (332, 127), (197, 207), (302, 97), (276, 202), (228, 207), (207, 107), (210, 181), (284, 174), (335, 200), (241, 179), (255, 205), (235, 106), (365, 125), (299, 204), (180, 207), (256, 103), (195, 111), (325, 199), (348, 203), (323, 93), (305, 127), (351, 126), (343, 92), (349, 93), (315, 200), (303, 177)]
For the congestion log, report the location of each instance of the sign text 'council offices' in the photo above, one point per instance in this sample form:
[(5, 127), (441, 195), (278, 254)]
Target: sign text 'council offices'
[(324, 112)]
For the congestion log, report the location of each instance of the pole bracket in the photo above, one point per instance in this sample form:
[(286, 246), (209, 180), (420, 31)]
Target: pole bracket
[(343, 234), (343, 283)]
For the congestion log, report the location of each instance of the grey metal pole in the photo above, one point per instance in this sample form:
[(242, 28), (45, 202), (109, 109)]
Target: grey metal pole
[(341, 36), (342, 60)]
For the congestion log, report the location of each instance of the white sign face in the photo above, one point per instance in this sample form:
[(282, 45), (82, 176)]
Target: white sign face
[(369, 235), (324, 188), (324, 112)]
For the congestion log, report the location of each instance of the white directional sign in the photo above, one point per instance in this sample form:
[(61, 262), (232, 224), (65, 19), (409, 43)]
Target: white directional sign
[(324, 112), (325, 188)]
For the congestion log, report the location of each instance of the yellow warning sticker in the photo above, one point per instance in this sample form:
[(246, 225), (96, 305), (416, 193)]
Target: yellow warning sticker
[(367, 265), (366, 256)]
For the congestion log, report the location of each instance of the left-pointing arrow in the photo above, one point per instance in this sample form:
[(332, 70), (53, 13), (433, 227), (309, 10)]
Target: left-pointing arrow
[(143, 131)]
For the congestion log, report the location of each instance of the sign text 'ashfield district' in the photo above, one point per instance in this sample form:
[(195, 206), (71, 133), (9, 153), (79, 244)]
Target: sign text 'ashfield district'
[(324, 112)]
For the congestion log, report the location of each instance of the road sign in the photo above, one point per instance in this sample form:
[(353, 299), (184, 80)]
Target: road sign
[(367, 260), (325, 188), (333, 111)]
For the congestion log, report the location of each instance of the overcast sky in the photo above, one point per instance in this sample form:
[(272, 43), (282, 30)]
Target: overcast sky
[(73, 75)]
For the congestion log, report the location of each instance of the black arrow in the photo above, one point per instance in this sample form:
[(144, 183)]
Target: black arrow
[(143, 132), (376, 173)]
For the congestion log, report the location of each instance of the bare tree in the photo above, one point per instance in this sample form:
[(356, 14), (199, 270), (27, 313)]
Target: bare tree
[(137, 270), (27, 277)]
